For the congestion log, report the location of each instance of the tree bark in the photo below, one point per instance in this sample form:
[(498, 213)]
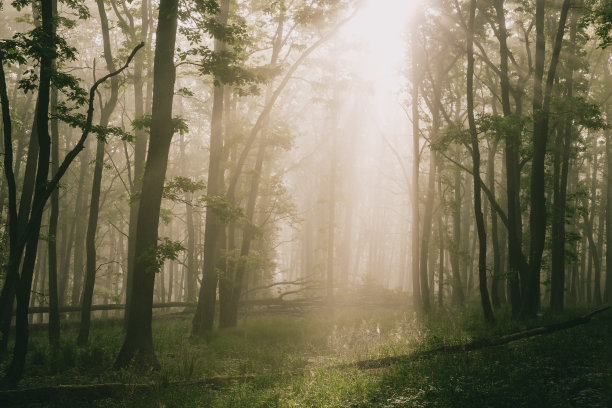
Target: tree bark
[(54, 318), (541, 105), (458, 296), (205, 312), (94, 206), (517, 268), (24, 283), (140, 152), (562, 156), (80, 208), (482, 236), (138, 342), (416, 80), (608, 284)]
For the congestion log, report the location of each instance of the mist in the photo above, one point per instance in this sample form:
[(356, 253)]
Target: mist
[(305, 203)]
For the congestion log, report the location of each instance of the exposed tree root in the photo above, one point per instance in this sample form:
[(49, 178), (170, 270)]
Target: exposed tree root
[(93, 392), (474, 345)]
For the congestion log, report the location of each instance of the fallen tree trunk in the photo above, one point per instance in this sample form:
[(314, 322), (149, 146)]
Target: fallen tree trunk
[(474, 345), (246, 303), (94, 392)]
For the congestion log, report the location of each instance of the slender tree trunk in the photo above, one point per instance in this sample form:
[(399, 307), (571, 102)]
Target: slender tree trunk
[(205, 311), (562, 155), (140, 152), (541, 104), (458, 297), (482, 236), (80, 230), (331, 210), (517, 264), (441, 234), (496, 281), (23, 285), (54, 318), (416, 80), (608, 285), (94, 206), (597, 297)]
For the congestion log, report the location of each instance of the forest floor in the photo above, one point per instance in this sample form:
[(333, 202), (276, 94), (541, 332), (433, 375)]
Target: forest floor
[(292, 361)]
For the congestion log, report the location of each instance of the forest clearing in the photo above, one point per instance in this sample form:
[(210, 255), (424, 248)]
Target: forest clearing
[(311, 203)]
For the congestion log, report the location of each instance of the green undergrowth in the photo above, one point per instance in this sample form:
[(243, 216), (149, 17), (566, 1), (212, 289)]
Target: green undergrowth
[(292, 359)]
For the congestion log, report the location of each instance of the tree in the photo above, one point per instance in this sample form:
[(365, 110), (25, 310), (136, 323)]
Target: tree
[(94, 206), (138, 343), (205, 312), (27, 239), (482, 237)]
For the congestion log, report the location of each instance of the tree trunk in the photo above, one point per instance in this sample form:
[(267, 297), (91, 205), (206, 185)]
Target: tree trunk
[(416, 80), (541, 104), (138, 342), (94, 206), (205, 311), (608, 286), (562, 156), (441, 234), (80, 208), (517, 265), (140, 152), (496, 281), (458, 297), (482, 236), (54, 318), (23, 285)]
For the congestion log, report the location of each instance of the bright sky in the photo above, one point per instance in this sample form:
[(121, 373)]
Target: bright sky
[(380, 28)]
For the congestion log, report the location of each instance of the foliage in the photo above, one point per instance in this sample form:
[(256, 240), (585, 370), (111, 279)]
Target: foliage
[(179, 124), (166, 249), (291, 356), (599, 14), (176, 188)]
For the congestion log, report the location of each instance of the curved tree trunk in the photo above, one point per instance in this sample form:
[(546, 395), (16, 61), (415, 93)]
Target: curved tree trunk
[(138, 342), (482, 236), (94, 206)]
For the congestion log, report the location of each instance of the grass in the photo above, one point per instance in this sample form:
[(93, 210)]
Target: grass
[(291, 359)]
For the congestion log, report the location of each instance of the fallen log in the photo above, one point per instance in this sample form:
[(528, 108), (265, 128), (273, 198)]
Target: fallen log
[(92, 392), (474, 345)]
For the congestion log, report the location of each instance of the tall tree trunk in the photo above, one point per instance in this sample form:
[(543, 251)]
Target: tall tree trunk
[(561, 171), (541, 105), (331, 212), (80, 207), (138, 342), (416, 284), (496, 281), (54, 318), (441, 234), (482, 236), (94, 206), (597, 297), (205, 311), (608, 285), (140, 152), (517, 266), (7, 298), (458, 297), (23, 285)]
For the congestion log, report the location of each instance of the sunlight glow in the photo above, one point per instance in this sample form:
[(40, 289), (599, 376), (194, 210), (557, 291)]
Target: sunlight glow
[(379, 29)]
